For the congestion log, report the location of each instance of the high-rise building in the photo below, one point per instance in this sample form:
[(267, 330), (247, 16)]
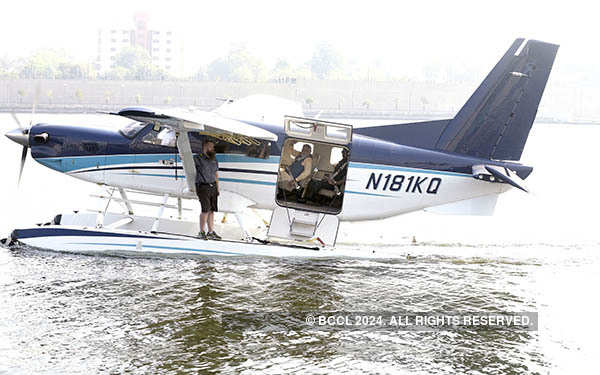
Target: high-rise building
[(162, 46)]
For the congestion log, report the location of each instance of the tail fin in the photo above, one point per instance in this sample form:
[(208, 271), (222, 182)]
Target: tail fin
[(495, 121)]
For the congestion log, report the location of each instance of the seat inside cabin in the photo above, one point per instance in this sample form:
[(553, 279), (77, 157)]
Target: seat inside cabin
[(324, 159)]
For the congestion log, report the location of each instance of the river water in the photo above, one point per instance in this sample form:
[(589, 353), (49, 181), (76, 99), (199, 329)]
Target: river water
[(75, 313)]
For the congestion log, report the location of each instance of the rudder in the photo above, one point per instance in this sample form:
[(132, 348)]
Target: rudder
[(495, 122)]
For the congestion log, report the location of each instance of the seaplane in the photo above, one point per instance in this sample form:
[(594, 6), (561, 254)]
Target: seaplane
[(459, 165)]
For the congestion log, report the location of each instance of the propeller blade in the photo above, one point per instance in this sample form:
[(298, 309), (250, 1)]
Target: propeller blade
[(23, 157), (35, 101), (14, 116)]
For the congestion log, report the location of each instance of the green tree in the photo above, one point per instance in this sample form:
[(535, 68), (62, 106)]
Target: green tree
[(69, 70), (43, 64), (107, 96), (135, 63), (49, 63), (238, 66), (7, 67), (21, 94), (325, 61), (79, 95), (309, 102), (117, 73), (282, 65), (424, 102)]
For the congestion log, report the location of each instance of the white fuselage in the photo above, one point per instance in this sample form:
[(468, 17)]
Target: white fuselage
[(373, 191)]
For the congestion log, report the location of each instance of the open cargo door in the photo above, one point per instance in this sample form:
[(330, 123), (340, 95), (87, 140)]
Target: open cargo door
[(311, 180)]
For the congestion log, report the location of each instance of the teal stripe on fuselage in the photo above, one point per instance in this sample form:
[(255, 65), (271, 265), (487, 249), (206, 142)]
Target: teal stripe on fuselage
[(73, 163), (244, 181)]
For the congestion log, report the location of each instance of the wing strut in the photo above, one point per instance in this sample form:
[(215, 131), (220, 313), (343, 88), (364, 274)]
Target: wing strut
[(187, 158)]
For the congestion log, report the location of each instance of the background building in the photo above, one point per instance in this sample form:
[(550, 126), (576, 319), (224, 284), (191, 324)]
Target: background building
[(160, 44)]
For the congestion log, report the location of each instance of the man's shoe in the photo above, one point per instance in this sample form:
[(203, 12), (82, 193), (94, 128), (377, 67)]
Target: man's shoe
[(213, 236), (203, 235)]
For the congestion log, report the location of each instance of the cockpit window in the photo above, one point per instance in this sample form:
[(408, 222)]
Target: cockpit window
[(162, 137), (167, 137), (132, 129)]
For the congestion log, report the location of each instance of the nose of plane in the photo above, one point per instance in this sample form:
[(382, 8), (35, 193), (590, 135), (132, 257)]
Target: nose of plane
[(19, 136)]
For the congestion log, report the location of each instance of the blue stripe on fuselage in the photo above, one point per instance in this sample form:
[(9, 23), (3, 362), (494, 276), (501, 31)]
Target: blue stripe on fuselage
[(54, 232), (252, 182)]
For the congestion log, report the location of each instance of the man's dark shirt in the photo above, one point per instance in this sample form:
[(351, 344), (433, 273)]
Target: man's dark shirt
[(206, 169)]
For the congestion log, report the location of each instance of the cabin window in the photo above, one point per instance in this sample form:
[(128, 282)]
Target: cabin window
[(336, 155), (260, 151)]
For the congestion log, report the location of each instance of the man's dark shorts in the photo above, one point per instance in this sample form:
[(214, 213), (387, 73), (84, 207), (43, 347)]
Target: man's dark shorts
[(207, 194)]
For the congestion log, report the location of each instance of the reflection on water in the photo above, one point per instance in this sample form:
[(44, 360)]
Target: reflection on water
[(78, 313)]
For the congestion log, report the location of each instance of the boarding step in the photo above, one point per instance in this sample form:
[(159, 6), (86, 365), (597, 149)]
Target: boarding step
[(299, 225), (304, 223)]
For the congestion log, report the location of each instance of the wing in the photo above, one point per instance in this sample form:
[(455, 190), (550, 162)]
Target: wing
[(200, 121), (208, 123)]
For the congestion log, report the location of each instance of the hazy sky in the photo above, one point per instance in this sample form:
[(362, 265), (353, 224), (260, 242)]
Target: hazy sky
[(404, 35)]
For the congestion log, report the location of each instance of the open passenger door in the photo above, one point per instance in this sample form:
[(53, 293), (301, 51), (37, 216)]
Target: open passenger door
[(311, 180)]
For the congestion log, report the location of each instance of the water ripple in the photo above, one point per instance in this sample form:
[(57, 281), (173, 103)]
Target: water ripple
[(78, 313)]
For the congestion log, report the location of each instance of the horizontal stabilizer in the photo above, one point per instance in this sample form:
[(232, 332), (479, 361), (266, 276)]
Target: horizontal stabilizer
[(494, 173), (506, 177)]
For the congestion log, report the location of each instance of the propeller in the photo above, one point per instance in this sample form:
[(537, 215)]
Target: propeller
[(23, 157), (14, 116), (21, 135)]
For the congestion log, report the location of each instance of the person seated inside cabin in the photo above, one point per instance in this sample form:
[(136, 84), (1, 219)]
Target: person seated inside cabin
[(331, 185), (295, 175)]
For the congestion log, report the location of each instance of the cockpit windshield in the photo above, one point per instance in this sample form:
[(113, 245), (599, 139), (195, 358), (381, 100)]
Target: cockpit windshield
[(132, 129)]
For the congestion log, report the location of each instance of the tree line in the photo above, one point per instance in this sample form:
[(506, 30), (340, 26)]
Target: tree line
[(134, 63)]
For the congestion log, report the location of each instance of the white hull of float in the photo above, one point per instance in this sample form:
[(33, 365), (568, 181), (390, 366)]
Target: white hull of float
[(127, 240)]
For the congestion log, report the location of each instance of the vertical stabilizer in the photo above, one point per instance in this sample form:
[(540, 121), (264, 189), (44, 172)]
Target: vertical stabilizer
[(495, 122)]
